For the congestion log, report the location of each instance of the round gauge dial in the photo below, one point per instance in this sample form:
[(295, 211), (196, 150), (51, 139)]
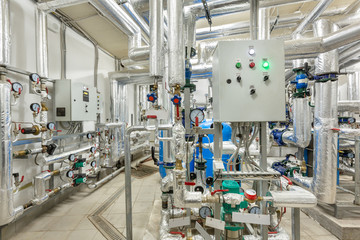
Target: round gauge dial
[(92, 149), (197, 113), (70, 174), (35, 107), (255, 210), (250, 194), (17, 87), (89, 136), (93, 164), (205, 212), (72, 157), (34, 77), (51, 126)]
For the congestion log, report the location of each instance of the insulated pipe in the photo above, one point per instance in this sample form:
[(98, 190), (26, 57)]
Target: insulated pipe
[(7, 210), (325, 141), (40, 194), (46, 160), (156, 38), (51, 6), (329, 61), (312, 16), (254, 19), (349, 106), (42, 65), (264, 24), (301, 48), (301, 134), (176, 43), (189, 31), (353, 86), (128, 202), (4, 33)]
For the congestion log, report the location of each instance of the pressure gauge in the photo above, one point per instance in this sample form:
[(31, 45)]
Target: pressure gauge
[(93, 164), (205, 212), (197, 113), (72, 158), (35, 107), (70, 174), (51, 126), (92, 149), (255, 210), (17, 87), (34, 78), (89, 136)]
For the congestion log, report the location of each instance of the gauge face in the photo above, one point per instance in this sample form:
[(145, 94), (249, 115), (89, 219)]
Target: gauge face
[(197, 113), (205, 212), (70, 174), (34, 77), (92, 149), (35, 107), (93, 164), (255, 210), (89, 136), (51, 126), (72, 157), (17, 87)]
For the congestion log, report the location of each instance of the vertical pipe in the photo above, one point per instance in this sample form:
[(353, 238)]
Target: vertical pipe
[(156, 37), (63, 50), (42, 66), (217, 157), (295, 223), (176, 43), (189, 31), (4, 33), (254, 15), (6, 187), (353, 86), (264, 24)]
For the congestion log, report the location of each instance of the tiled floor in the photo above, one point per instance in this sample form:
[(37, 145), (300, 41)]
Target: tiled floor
[(69, 220)]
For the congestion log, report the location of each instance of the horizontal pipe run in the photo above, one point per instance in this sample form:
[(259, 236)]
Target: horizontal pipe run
[(107, 178)]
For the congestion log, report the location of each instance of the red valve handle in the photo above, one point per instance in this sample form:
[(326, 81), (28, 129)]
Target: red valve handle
[(179, 233), (189, 183), (197, 121), (219, 190), (22, 179), (151, 117)]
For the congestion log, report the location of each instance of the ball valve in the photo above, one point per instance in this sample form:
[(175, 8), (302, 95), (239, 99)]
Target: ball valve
[(176, 100), (151, 97)]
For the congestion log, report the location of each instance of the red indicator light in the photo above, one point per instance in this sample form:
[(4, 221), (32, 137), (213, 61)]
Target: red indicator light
[(252, 65)]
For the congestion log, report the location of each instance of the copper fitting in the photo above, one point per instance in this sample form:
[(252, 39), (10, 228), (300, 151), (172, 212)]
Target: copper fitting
[(44, 107)]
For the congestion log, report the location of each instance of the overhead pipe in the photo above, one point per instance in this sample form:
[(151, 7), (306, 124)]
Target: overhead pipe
[(349, 106), (312, 16), (156, 38), (42, 64), (51, 6)]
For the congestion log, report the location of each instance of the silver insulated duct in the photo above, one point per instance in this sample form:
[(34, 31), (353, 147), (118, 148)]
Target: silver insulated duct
[(176, 43), (353, 86), (329, 61), (7, 212), (156, 37), (325, 141), (4, 33)]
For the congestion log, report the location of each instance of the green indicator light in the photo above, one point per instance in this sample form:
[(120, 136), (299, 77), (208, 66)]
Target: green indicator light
[(266, 64), (238, 65)]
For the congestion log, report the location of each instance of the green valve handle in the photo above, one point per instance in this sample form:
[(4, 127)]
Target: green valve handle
[(80, 164), (80, 180)]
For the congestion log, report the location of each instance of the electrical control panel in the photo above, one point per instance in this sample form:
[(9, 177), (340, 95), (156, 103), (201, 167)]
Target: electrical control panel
[(248, 81), (75, 101)]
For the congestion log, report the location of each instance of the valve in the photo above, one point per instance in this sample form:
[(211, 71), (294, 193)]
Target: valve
[(151, 97), (35, 130), (80, 178), (277, 135), (219, 190), (176, 100), (80, 163), (50, 149)]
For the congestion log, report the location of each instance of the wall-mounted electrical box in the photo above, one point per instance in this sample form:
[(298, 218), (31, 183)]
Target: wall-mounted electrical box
[(74, 101), (248, 81)]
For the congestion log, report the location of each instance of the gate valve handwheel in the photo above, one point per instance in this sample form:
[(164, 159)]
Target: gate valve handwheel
[(176, 100), (219, 190), (151, 97), (250, 194)]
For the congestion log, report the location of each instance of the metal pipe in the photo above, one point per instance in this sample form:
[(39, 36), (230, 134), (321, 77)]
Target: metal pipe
[(353, 86), (51, 6), (254, 18), (176, 43), (264, 24), (189, 31), (303, 48), (4, 33), (46, 160), (105, 179), (312, 16), (349, 106), (7, 210), (156, 38), (296, 197), (127, 150), (42, 65)]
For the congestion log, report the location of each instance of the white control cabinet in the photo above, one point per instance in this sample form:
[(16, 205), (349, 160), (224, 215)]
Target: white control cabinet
[(74, 101), (249, 81)]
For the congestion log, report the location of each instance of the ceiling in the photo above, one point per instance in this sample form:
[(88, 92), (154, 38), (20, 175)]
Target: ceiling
[(115, 41)]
